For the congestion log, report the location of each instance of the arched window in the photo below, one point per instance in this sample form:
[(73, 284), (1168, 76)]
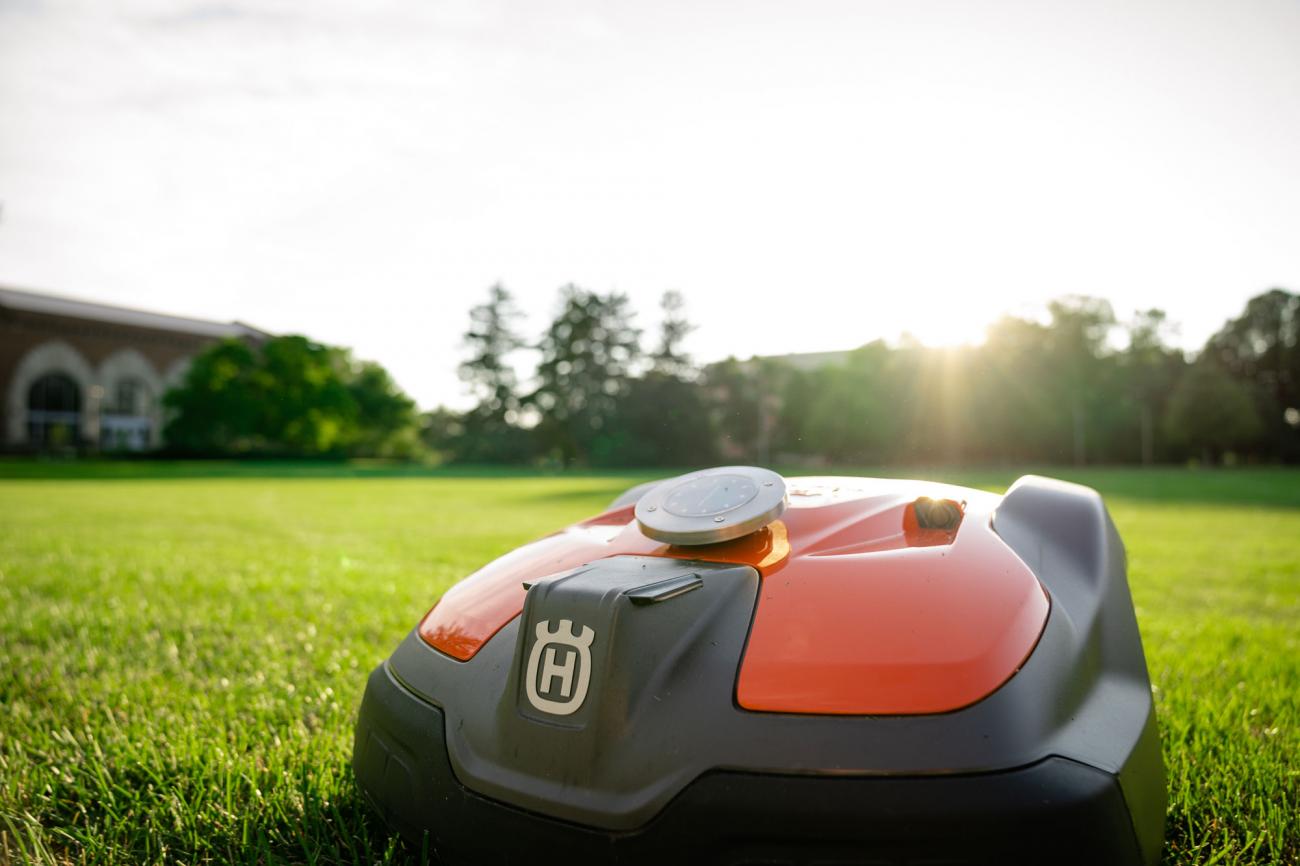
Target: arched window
[(54, 411), (130, 397), (125, 424)]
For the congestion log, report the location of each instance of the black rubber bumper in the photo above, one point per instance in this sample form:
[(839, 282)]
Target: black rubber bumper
[(1055, 811)]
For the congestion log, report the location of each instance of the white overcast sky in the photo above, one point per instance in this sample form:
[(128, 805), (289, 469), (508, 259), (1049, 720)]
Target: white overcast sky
[(811, 175)]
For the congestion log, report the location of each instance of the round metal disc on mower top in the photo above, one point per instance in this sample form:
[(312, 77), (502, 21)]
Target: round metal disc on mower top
[(712, 505)]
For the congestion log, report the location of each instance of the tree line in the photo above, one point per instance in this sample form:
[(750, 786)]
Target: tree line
[(1079, 387)]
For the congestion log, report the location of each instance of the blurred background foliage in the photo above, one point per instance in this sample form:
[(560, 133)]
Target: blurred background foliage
[(289, 397), (1079, 386)]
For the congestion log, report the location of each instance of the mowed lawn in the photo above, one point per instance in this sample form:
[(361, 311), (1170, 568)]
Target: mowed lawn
[(181, 657)]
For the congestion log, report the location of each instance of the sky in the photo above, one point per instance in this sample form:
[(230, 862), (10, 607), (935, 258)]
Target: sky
[(810, 175)]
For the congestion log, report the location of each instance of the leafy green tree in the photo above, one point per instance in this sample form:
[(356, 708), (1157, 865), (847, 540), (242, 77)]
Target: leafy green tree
[(661, 421), (668, 357), (490, 431), (491, 339), (218, 408), (1210, 413), (1261, 349), (852, 416), (442, 431), (1017, 410), (663, 418), (795, 392), (1149, 369), (1077, 359), (587, 357), (288, 396), (932, 396), (306, 407), (736, 397), (387, 423)]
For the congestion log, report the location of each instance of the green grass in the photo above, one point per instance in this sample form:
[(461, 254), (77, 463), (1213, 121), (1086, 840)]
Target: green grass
[(181, 657)]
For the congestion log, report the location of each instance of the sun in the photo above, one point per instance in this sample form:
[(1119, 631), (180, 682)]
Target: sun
[(948, 328)]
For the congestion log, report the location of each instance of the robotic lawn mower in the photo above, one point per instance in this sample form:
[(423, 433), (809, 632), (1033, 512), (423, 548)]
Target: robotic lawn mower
[(731, 667)]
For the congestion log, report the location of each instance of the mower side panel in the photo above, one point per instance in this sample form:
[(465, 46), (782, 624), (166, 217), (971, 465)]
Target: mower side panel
[(1064, 533)]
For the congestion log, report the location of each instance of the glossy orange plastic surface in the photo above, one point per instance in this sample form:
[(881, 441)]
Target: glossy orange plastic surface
[(860, 610), (877, 616), (475, 609)]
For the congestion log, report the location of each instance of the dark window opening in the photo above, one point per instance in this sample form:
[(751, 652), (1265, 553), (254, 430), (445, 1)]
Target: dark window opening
[(54, 412), (125, 425)]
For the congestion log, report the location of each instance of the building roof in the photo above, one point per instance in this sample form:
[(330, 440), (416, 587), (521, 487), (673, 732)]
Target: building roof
[(805, 361), (55, 305), (808, 361)]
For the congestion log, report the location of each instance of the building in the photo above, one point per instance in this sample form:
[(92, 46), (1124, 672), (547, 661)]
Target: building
[(803, 361), (81, 375)]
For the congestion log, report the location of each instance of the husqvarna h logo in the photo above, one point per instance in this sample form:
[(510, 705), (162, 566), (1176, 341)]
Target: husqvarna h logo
[(559, 667)]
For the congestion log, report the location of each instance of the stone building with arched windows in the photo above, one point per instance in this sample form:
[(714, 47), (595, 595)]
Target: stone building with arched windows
[(81, 375)]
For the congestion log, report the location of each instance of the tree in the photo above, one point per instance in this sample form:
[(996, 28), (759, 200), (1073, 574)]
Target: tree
[(852, 417), (489, 432), (387, 425), (1149, 368), (669, 358), (1016, 403), (748, 403), (491, 339), (662, 418), (1261, 349), (218, 407), (288, 396), (1210, 413), (661, 421), (736, 398), (306, 408), (442, 431), (1075, 348), (587, 357), (932, 393)]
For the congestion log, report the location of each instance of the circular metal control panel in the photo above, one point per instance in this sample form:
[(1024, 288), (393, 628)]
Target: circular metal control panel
[(711, 505)]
